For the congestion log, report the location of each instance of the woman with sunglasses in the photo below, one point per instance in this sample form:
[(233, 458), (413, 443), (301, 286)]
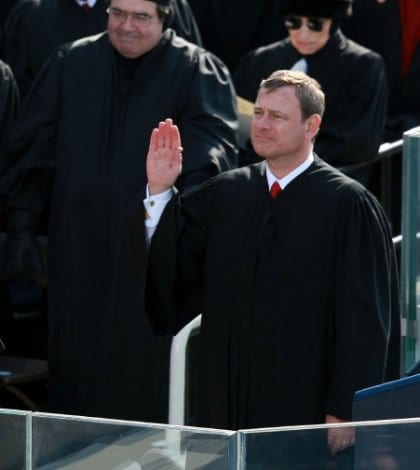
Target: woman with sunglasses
[(352, 78)]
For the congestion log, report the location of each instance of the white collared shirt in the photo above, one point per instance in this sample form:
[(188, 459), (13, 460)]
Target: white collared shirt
[(283, 182), (155, 205), (91, 3)]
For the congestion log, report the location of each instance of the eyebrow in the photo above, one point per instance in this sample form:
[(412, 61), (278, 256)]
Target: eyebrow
[(270, 110)]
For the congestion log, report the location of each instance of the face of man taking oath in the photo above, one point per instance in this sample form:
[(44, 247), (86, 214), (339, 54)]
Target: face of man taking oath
[(134, 27), (279, 133)]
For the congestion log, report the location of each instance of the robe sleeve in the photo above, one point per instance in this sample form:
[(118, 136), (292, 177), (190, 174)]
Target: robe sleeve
[(27, 180), (356, 132), (176, 259), (9, 104), (365, 324), (16, 49), (185, 24), (207, 119)]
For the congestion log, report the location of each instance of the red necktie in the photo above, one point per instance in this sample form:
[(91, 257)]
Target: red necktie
[(275, 189)]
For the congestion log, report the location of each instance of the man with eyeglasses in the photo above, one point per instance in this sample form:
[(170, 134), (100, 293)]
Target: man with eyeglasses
[(82, 140), (352, 77), (34, 28)]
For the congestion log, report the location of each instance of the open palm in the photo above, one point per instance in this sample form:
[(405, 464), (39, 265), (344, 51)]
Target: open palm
[(164, 159)]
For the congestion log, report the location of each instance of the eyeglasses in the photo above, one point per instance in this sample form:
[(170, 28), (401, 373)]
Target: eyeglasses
[(295, 22), (139, 19)]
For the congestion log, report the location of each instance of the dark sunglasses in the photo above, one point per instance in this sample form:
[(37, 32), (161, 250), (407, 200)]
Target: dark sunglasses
[(295, 22)]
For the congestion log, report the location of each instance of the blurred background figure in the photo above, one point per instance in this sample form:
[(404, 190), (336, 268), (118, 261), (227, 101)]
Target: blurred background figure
[(34, 28), (352, 78), (79, 148)]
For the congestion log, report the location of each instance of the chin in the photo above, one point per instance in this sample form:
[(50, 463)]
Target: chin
[(128, 54)]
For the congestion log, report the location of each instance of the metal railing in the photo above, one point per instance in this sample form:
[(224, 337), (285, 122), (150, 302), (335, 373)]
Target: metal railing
[(387, 160)]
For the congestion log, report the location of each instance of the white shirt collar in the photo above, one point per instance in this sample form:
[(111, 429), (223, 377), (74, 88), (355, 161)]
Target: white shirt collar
[(91, 3), (283, 182)]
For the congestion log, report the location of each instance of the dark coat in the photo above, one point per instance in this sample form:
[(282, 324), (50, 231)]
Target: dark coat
[(353, 80), (300, 297), (9, 103), (85, 129), (36, 27)]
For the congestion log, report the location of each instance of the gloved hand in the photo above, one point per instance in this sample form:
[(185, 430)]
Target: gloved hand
[(23, 253)]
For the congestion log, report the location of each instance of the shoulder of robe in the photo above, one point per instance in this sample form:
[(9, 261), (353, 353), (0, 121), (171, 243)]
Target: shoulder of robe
[(80, 46), (194, 52), (362, 53)]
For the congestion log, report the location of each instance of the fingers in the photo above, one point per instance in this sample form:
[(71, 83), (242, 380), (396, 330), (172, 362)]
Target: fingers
[(175, 137), (165, 146), (153, 140), (340, 439), (166, 135)]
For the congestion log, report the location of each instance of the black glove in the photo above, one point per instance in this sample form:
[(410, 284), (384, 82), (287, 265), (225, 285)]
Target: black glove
[(23, 253)]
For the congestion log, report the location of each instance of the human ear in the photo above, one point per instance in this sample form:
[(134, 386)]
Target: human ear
[(313, 124)]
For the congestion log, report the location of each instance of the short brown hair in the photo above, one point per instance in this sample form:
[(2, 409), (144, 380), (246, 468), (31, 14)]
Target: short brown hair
[(308, 90)]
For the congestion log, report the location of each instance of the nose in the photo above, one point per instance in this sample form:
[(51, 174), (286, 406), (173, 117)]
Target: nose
[(262, 122), (127, 24), (303, 32)]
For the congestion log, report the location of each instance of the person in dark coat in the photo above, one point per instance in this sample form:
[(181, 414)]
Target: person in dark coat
[(5, 7), (9, 104), (36, 27), (352, 77), (300, 295), (81, 140)]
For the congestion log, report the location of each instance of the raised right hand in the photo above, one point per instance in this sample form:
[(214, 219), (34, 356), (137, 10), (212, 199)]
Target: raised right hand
[(164, 159)]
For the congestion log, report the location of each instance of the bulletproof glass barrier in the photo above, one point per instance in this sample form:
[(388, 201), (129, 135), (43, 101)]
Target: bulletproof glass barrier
[(410, 249), (45, 441), (13, 443), (378, 445)]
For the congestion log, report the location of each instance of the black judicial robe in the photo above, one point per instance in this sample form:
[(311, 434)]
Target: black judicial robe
[(86, 129), (300, 297), (353, 80), (9, 103), (36, 27)]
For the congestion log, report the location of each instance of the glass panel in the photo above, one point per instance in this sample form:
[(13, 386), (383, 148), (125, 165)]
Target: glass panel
[(381, 445), (410, 262), (75, 443), (12, 439)]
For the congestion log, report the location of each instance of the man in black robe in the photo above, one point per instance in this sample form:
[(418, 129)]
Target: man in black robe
[(36, 27), (352, 77), (300, 294), (81, 139)]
